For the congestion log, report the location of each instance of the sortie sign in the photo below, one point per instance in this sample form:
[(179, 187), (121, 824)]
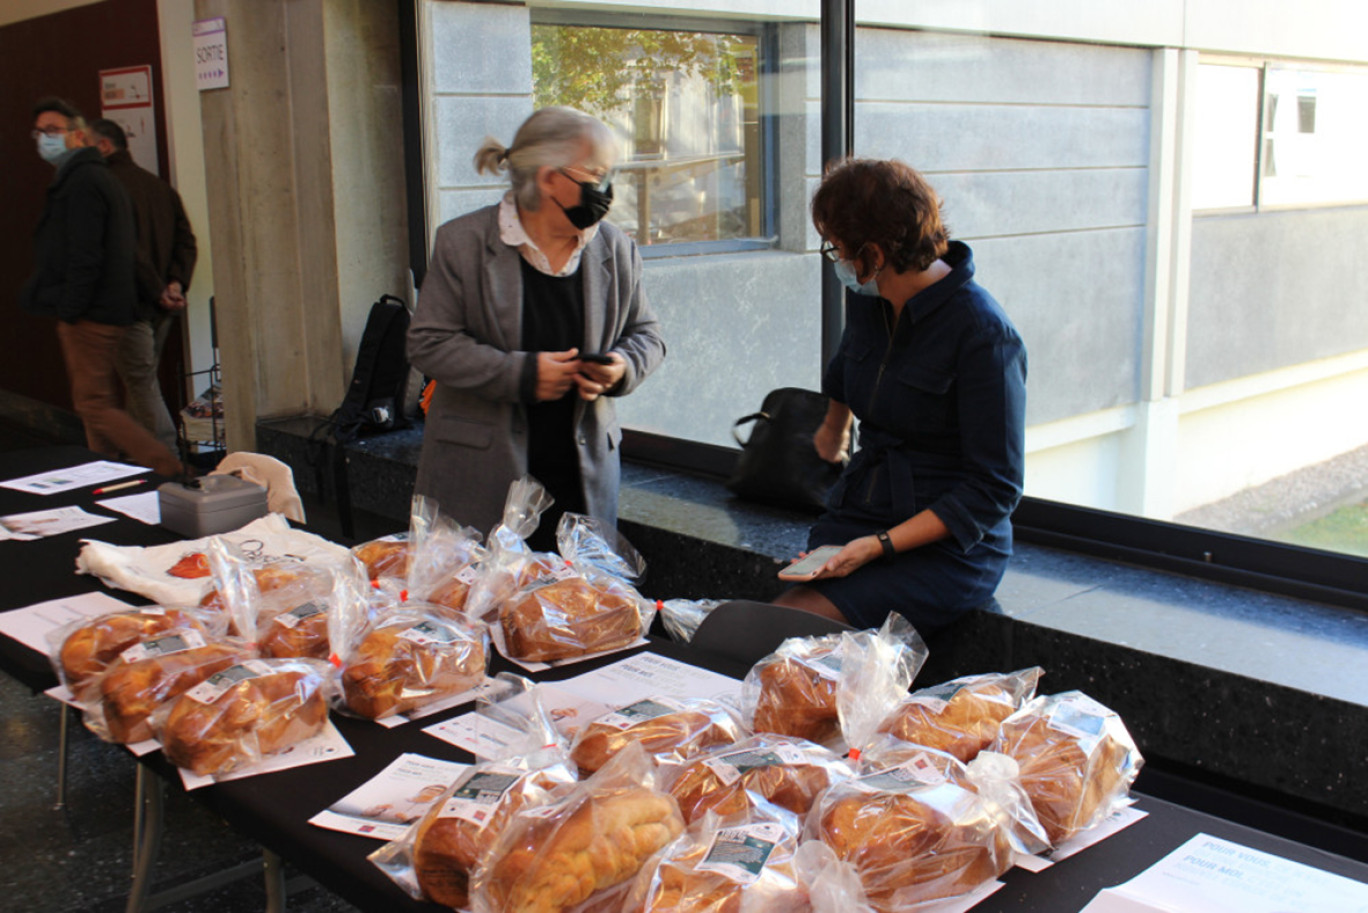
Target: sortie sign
[(211, 53)]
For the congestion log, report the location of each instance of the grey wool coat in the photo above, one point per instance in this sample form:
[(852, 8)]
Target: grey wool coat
[(465, 335)]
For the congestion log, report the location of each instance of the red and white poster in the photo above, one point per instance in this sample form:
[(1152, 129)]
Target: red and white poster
[(126, 99)]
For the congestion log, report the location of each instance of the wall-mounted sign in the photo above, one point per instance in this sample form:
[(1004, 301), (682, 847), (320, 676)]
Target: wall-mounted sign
[(126, 99), (211, 53)]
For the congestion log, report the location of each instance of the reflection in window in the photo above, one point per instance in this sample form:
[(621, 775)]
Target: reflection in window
[(687, 107), (1315, 137)]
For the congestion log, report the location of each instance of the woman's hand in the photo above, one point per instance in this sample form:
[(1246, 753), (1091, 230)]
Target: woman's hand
[(594, 379), (832, 438), (854, 555), (557, 372)]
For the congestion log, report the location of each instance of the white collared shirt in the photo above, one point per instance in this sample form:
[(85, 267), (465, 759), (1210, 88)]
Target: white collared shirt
[(511, 232)]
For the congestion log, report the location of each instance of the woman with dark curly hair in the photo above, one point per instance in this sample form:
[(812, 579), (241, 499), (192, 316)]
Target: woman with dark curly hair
[(936, 374)]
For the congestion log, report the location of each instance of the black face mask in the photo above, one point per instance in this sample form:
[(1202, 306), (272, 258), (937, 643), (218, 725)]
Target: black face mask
[(593, 206)]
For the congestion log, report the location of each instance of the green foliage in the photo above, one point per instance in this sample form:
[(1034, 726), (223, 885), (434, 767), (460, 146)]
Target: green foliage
[(599, 69)]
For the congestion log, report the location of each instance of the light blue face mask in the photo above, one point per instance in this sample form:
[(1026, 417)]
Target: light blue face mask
[(51, 147), (845, 271)]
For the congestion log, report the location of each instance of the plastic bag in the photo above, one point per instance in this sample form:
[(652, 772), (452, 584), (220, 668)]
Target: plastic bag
[(434, 858), (586, 541), (509, 563), (912, 836), (962, 716), (409, 656), (387, 556), (587, 847), (150, 673), (1077, 760), (444, 557), (237, 717), (794, 691), (82, 649), (788, 771), (672, 730), (282, 606), (682, 617), (583, 613), (995, 777), (738, 864)]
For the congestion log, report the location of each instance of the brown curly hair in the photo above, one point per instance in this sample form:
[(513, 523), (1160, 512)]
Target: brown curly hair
[(884, 202)]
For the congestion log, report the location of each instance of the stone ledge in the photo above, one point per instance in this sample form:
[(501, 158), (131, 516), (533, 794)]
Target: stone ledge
[(1261, 691)]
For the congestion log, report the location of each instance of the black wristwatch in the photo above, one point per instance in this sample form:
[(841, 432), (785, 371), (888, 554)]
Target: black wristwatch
[(886, 543)]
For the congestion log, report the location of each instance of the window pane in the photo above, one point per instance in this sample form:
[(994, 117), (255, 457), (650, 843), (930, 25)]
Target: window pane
[(687, 107), (1315, 137), (1227, 135)]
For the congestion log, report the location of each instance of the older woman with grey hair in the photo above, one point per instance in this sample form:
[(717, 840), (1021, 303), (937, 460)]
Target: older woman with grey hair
[(532, 320)]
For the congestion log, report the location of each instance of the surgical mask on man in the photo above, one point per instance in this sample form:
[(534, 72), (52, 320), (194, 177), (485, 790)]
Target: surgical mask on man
[(845, 271), (51, 147)]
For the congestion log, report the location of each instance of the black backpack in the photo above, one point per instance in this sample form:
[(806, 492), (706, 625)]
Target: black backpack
[(375, 399)]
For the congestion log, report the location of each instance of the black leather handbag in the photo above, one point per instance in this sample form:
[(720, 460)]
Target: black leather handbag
[(778, 463)]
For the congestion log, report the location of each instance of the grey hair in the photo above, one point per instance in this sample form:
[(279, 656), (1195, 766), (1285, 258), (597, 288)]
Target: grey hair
[(553, 137)]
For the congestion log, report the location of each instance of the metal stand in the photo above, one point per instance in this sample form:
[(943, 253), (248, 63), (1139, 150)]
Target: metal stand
[(148, 817), (62, 737)]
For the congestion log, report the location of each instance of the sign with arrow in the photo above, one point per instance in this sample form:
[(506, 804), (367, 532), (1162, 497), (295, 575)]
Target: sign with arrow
[(211, 53)]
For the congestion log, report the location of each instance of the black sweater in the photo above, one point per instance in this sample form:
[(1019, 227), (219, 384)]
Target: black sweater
[(83, 248)]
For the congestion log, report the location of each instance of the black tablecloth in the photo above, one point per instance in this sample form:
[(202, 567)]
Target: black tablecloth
[(274, 808)]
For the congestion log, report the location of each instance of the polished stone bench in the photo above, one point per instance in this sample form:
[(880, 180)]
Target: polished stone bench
[(1263, 694)]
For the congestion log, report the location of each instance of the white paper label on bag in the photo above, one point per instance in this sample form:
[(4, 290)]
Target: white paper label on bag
[(919, 772), (640, 712), (292, 618), (827, 665), (430, 632), (1078, 715), (218, 684), (740, 853), (733, 766), (163, 646), (475, 799)]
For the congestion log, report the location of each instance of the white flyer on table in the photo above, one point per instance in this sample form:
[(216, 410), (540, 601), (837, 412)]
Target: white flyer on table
[(39, 524), (1118, 820), (1211, 875), (385, 805), (144, 507), (577, 701), (328, 745), (58, 480), (30, 625)]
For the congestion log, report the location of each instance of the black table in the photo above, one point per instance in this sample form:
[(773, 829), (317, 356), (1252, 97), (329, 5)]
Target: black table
[(273, 809)]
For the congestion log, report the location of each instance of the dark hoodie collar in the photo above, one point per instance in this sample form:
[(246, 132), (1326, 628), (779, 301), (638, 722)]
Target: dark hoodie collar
[(83, 156)]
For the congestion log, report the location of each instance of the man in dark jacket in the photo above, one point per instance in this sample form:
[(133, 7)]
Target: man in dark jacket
[(83, 276), (166, 253)]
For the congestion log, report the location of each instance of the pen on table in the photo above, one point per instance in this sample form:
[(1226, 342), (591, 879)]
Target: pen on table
[(109, 488)]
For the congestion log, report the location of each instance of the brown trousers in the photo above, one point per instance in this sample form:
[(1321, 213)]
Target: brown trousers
[(89, 349)]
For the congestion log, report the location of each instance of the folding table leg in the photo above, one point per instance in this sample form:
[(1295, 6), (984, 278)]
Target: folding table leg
[(63, 726), (274, 872), (147, 829)]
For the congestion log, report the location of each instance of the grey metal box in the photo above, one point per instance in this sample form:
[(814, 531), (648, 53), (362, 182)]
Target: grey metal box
[(210, 505)]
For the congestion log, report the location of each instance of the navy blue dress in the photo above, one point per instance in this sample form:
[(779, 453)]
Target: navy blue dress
[(941, 402)]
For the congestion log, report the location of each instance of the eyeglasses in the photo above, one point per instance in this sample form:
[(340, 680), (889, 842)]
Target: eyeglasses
[(597, 181), (48, 131), (829, 251)]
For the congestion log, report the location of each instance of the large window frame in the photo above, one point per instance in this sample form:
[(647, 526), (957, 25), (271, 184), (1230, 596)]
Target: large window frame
[(766, 38)]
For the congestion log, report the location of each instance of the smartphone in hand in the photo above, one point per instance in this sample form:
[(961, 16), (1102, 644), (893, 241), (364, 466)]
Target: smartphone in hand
[(597, 358), (807, 566)]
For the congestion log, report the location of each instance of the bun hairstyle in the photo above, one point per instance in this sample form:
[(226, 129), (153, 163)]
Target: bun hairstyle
[(556, 137)]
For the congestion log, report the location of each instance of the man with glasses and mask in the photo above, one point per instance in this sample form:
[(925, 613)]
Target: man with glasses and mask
[(84, 277), (532, 320)]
